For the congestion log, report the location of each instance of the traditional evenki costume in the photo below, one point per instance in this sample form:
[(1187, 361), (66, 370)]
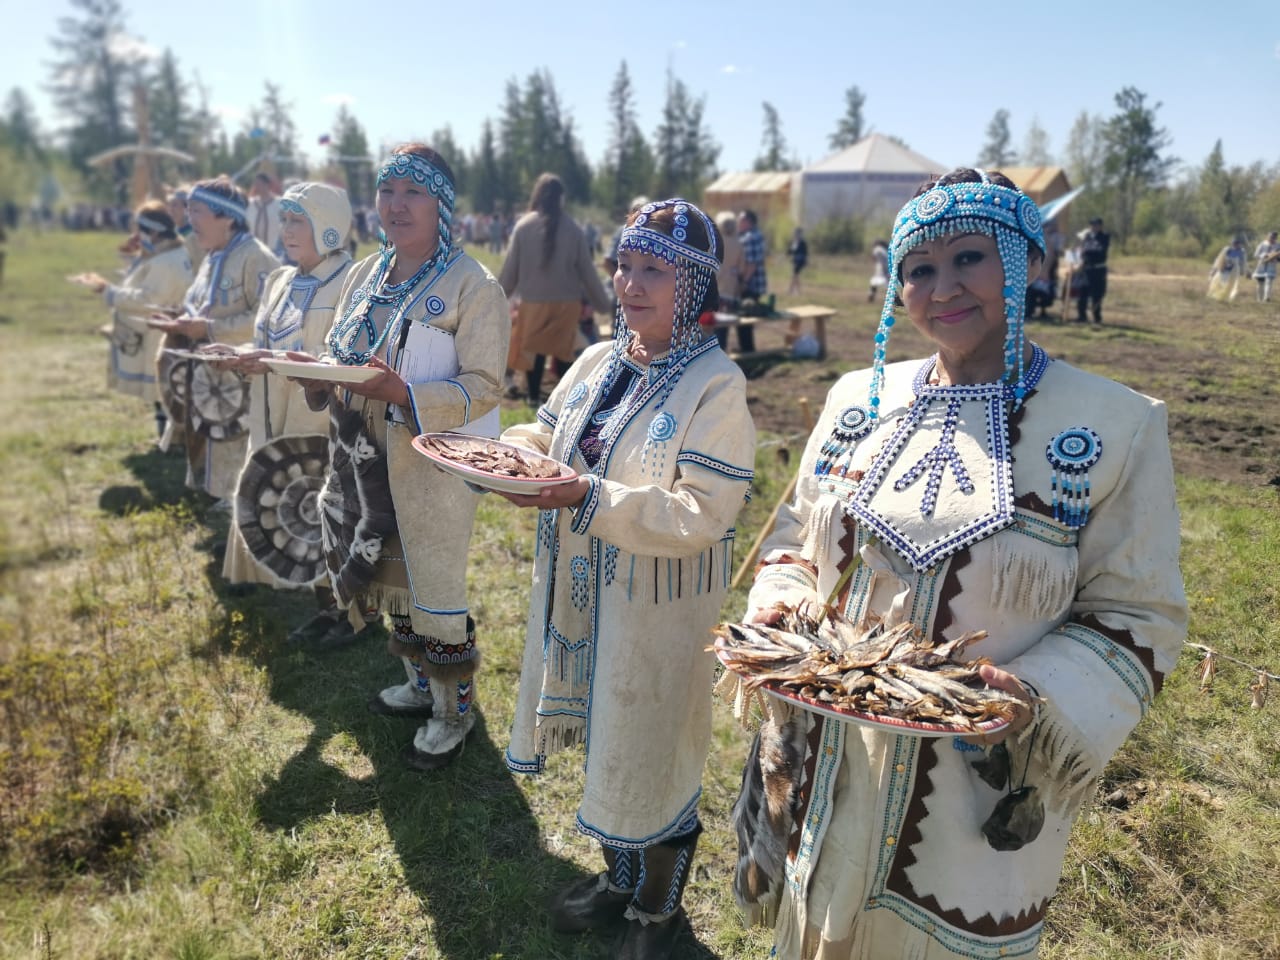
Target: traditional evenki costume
[(1040, 508), (445, 332), (157, 279), (276, 510), (225, 292), (627, 586)]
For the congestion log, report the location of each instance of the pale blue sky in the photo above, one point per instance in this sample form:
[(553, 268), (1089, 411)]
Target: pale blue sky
[(409, 68)]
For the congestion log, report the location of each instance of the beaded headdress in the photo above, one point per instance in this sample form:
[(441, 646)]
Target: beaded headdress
[(695, 273), (232, 206), (1007, 215), (326, 208), (410, 166)]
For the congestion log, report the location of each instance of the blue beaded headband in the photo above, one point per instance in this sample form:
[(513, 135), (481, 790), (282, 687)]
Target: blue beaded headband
[(155, 226), (1009, 216), (410, 166), (232, 207), (645, 239)]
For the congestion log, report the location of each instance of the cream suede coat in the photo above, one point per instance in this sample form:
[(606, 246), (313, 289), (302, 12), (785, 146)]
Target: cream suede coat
[(279, 406), (159, 279), (423, 575), (887, 859), (226, 292), (626, 589)]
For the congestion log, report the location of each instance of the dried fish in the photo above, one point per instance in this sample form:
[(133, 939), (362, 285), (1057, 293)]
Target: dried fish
[(865, 667)]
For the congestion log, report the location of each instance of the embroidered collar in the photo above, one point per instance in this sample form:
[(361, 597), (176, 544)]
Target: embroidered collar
[(963, 459)]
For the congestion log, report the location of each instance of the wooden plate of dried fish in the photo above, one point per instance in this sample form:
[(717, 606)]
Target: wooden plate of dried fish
[(887, 678), (493, 464)]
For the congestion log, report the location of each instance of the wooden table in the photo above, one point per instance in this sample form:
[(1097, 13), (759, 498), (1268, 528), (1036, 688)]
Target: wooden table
[(795, 317)]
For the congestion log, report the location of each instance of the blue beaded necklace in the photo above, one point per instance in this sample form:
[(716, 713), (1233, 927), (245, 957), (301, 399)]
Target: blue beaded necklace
[(378, 293)]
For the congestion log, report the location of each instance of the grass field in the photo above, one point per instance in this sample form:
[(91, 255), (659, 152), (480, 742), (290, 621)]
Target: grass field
[(177, 781)]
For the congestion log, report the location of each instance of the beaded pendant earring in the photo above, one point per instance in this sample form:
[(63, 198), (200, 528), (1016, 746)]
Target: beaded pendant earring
[(852, 425), (1071, 453)]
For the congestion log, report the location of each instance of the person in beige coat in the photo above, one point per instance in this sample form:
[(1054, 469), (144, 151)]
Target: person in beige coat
[(987, 487), (434, 324), (296, 313), (632, 564), (548, 266), (156, 281), (220, 307)]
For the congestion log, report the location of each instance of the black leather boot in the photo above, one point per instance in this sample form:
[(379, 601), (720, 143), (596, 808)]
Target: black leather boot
[(595, 903), (655, 919)]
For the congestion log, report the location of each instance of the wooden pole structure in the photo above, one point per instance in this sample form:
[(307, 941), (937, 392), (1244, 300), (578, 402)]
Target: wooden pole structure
[(749, 561)]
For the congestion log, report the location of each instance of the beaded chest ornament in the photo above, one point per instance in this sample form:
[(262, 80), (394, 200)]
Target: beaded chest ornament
[(356, 321), (1071, 453), (1010, 217)]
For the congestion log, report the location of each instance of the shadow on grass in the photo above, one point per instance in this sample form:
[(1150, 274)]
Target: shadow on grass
[(469, 845), (161, 482)]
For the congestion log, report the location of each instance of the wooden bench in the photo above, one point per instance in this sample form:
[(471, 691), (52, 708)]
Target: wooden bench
[(794, 316)]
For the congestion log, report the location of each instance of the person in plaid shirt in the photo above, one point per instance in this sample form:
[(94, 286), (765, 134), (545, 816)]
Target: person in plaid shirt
[(755, 282)]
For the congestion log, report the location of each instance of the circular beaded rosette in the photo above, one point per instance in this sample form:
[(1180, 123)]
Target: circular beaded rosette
[(1074, 450), (278, 507), (356, 510), (219, 401)]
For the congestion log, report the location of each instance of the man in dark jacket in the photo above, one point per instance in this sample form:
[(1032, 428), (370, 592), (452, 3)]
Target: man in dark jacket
[(1093, 252)]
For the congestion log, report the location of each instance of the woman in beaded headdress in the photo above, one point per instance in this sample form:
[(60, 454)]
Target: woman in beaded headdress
[(988, 487), (219, 307), (633, 561), (157, 279), (434, 323), (295, 314)]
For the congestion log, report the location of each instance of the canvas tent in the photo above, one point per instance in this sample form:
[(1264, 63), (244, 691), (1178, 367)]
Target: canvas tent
[(768, 194), (872, 178)]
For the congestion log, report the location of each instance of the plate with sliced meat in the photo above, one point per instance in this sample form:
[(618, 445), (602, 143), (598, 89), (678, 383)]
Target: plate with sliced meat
[(493, 464)]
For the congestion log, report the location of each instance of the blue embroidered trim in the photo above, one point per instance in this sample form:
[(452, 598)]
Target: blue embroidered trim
[(533, 766), (547, 417), (1117, 658), (466, 399), (217, 260), (584, 514), (715, 465), (569, 645), (675, 828)]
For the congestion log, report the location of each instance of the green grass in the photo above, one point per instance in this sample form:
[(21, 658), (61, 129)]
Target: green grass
[(177, 781)]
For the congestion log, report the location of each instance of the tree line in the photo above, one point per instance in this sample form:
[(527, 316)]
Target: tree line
[(104, 84)]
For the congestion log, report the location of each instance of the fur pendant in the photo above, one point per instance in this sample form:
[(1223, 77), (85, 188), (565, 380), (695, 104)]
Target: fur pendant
[(356, 511), (764, 813), (277, 507)]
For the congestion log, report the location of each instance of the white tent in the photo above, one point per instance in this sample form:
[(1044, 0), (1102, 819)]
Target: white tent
[(874, 177)]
